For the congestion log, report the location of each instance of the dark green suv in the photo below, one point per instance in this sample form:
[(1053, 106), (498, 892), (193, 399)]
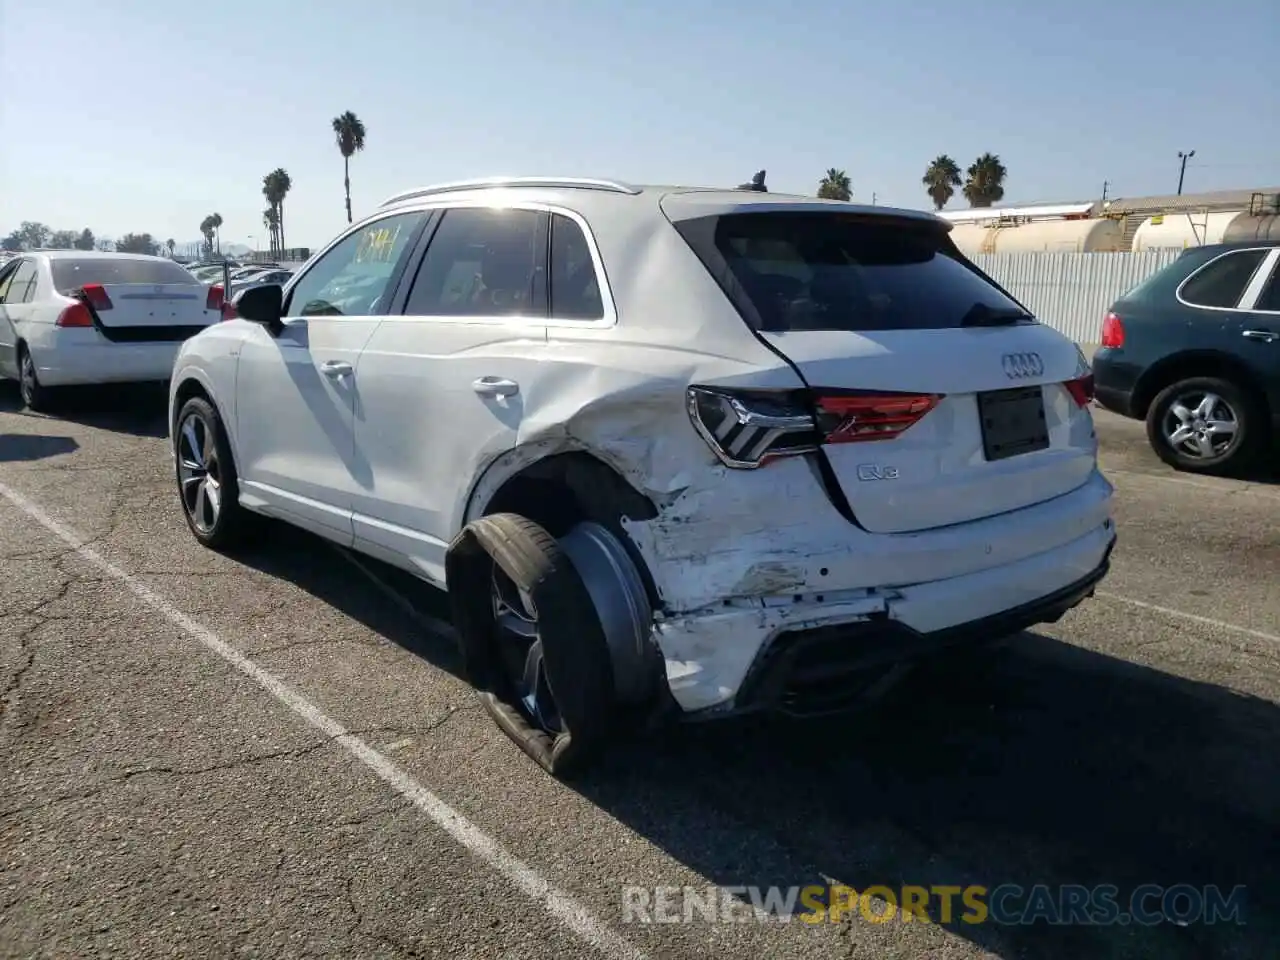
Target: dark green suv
[(1195, 351)]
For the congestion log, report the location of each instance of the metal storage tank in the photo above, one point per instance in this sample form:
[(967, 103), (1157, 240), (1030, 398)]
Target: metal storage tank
[(1245, 227), (1040, 236), (1181, 230)]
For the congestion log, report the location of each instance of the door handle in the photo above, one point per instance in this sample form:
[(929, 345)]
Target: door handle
[(1266, 336), (495, 387), (336, 369)]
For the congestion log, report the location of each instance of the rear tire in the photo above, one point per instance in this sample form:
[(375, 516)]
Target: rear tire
[(1205, 425), (564, 711), (208, 485), (35, 396)]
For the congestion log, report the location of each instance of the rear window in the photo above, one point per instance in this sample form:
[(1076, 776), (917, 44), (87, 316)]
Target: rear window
[(68, 274), (807, 271)]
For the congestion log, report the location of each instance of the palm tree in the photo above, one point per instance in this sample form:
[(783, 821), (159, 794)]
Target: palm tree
[(985, 184), (835, 186), (170, 243), (206, 231), (272, 223), (215, 221), (275, 186), (941, 179), (349, 132)]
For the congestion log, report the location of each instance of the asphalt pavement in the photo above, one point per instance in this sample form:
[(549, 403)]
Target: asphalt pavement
[(272, 755)]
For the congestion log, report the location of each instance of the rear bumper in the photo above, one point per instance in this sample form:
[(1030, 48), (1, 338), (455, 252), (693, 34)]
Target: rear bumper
[(806, 672), (744, 656), (67, 358), (1114, 381)]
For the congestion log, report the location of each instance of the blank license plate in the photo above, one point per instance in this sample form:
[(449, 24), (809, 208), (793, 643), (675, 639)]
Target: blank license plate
[(1012, 422)]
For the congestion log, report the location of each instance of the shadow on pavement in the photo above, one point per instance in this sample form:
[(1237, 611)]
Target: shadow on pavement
[(1059, 766), (18, 447), (139, 409), (1062, 766)]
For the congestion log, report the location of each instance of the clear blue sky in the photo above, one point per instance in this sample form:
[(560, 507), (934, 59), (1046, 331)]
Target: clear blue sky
[(111, 118)]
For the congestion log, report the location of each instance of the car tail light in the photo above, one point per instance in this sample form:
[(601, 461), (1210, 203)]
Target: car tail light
[(1112, 331), (96, 296), (76, 315), (214, 298), (749, 428), (1081, 389)]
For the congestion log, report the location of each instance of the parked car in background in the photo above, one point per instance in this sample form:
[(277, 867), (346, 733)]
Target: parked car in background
[(1195, 351), (259, 278), (79, 317), (668, 449)]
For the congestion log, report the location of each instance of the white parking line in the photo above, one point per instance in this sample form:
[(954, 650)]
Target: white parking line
[(1193, 617), (556, 902)]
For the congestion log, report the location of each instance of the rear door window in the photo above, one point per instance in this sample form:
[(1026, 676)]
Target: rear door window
[(23, 288), (483, 263), (822, 271), (71, 273), (1221, 282), (1269, 299)]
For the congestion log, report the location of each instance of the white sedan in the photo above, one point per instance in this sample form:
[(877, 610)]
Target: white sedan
[(78, 317)]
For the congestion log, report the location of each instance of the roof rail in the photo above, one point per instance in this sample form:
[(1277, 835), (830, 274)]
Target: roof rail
[(580, 183)]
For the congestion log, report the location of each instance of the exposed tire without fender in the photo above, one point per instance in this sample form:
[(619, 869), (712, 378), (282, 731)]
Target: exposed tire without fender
[(534, 644)]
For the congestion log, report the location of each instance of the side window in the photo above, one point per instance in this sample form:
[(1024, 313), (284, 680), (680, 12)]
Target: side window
[(352, 279), (1270, 297), (6, 282), (23, 287), (1222, 281), (575, 288), (483, 263)]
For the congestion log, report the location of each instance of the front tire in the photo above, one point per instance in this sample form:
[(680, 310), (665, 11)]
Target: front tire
[(208, 486), (36, 397), (1204, 425)]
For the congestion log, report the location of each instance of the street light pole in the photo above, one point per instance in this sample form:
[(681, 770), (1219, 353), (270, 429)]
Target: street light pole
[(1184, 157)]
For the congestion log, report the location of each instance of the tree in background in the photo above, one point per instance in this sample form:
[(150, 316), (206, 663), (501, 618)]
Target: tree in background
[(985, 183), (835, 186), (137, 243), (85, 241), (272, 223), (169, 245), (30, 235), (215, 221), (62, 240), (941, 179), (206, 230), (756, 183), (275, 187), (349, 131)]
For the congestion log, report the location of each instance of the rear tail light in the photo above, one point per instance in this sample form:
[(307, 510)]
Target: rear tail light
[(1112, 331), (96, 296), (214, 298), (747, 429), (1081, 389), (76, 315)]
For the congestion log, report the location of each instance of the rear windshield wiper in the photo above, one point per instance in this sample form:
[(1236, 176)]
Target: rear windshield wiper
[(984, 315)]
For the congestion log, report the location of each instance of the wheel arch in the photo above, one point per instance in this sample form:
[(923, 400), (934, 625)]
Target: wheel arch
[(192, 382), (1197, 363), (558, 488)]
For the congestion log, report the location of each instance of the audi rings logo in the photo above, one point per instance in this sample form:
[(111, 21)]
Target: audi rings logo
[(1019, 366)]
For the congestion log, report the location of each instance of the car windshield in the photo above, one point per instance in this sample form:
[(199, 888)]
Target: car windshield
[(821, 271)]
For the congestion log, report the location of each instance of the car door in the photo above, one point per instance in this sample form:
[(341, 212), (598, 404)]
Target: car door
[(296, 389), (8, 335), (444, 382), (1258, 326)]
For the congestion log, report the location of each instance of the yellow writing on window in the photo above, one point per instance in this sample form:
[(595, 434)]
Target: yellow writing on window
[(377, 245)]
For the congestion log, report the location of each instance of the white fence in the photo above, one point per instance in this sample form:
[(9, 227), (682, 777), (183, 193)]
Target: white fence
[(1072, 291)]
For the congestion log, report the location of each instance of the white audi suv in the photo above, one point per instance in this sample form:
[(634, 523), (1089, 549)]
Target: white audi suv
[(669, 450)]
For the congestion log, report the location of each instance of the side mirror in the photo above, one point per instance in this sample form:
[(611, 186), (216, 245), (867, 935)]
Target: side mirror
[(264, 305)]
